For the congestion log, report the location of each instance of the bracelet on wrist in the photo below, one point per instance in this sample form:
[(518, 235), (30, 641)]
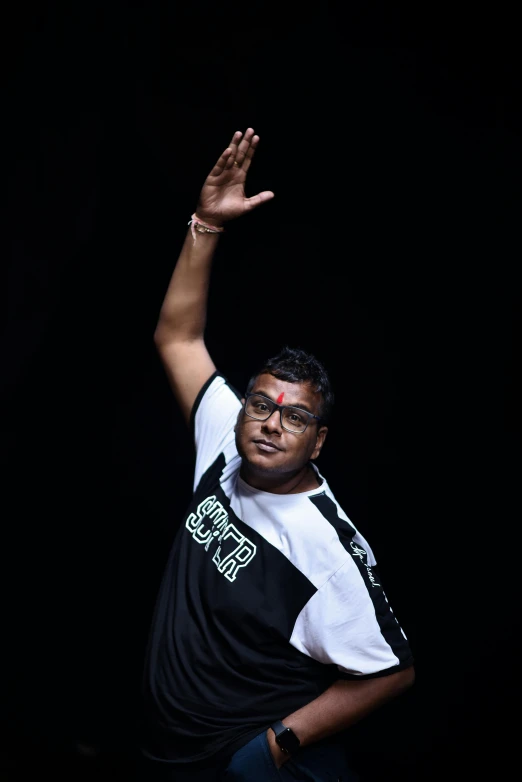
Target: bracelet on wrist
[(196, 224)]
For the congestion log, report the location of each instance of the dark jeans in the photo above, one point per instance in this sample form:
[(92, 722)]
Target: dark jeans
[(316, 763), (253, 763)]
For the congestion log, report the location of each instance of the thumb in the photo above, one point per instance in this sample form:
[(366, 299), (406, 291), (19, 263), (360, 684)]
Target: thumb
[(260, 198)]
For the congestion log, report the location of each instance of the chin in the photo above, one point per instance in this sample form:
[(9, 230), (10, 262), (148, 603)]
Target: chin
[(258, 462), (260, 467)]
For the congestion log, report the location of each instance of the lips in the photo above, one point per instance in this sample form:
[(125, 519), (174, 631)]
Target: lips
[(266, 445)]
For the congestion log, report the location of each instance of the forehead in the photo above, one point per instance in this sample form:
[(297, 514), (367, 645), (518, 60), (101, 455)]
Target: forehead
[(298, 394)]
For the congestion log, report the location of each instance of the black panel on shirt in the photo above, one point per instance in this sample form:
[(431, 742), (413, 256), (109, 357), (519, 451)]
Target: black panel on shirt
[(224, 644)]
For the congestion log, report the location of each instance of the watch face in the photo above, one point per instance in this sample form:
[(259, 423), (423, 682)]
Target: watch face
[(288, 741)]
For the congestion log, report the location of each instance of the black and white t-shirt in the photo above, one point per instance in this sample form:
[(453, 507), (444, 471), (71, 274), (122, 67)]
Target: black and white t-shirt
[(265, 601)]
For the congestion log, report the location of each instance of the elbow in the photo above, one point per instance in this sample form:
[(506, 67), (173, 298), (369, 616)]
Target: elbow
[(158, 337), (163, 334), (169, 333)]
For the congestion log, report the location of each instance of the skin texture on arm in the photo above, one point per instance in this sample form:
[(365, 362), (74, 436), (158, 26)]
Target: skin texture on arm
[(179, 335), (341, 705)]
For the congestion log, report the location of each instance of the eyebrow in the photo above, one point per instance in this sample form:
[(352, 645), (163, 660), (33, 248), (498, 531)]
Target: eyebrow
[(294, 404)]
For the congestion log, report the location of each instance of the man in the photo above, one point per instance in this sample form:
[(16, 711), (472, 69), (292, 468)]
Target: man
[(271, 632)]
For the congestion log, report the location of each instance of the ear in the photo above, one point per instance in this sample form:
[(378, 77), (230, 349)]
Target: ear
[(321, 437)]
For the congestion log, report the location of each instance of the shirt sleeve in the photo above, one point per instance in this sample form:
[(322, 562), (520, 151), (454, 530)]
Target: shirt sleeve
[(349, 623), (213, 418)]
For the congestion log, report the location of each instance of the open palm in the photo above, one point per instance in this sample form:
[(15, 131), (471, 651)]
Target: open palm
[(222, 197)]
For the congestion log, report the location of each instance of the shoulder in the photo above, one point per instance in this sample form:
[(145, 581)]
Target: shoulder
[(215, 394)]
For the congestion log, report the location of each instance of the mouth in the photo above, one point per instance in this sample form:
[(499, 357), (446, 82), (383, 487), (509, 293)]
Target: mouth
[(266, 445)]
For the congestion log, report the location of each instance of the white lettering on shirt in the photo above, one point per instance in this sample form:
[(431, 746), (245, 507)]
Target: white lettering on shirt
[(210, 522), (361, 553)]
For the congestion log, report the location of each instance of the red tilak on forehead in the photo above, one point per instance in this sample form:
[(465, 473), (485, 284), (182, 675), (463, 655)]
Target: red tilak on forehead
[(280, 397)]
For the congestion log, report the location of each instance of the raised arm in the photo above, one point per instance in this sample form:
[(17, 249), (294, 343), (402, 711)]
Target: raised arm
[(179, 335)]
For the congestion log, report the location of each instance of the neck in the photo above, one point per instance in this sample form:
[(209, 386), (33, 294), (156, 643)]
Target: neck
[(304, 479)]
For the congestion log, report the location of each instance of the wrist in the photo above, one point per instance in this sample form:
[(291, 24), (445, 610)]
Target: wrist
[(197, 225), (285, 738), (211, 220), (277, 753)]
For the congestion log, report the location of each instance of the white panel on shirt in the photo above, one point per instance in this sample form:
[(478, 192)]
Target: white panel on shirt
[(214, 426), (338, 626), (294, 526)]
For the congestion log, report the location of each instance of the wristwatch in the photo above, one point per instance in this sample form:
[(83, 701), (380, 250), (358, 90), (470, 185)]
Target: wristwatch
[(285, 737)]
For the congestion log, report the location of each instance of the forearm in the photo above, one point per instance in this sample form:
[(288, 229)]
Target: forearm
[(183, 312), (342, 705)]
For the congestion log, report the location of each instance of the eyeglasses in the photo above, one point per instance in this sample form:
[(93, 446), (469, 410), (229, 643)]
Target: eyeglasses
[(293, 419)]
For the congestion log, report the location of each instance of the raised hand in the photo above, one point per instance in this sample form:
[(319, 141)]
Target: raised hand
[(222, 197)]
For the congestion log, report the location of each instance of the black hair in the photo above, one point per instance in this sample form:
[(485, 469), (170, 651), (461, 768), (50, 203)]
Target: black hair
[(297, 366)]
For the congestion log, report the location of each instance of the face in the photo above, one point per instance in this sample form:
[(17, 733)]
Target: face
[(267, 448)]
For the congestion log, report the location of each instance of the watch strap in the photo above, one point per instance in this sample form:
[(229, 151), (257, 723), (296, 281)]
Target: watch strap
[(278, 727)]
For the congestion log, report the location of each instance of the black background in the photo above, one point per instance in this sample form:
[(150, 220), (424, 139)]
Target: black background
[(392, 141)]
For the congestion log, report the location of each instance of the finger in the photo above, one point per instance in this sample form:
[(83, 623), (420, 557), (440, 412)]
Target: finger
[(234, 144), (227, 158), (250, 153), (244, 146), (231, 160), (257, 200), (221, 163), (236, 138)]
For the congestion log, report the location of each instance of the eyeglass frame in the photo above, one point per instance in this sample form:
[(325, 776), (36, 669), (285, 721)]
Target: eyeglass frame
[(275, 406)]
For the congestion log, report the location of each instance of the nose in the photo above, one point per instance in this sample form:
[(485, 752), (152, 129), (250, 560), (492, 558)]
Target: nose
[(273, 423)]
